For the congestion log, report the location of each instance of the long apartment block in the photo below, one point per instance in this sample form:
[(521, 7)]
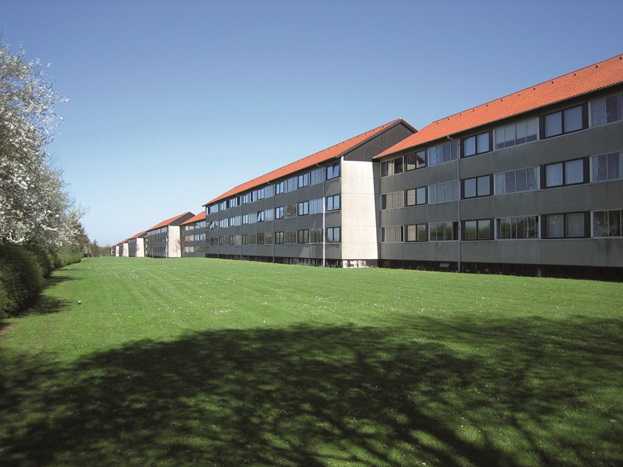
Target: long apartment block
[(320, 210), (528, 183), (531, 182)]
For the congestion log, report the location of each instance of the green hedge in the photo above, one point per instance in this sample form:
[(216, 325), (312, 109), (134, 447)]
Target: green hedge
[(21, 278)]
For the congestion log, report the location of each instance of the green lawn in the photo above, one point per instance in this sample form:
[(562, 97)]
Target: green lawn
[(214, 362)]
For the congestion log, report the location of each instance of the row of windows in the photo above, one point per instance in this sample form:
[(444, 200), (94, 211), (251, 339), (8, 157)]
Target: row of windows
[(602, 111), (196, 225), (565, 225), (194, 238), (194, 249), (313, 177), (602, 168), (304, 208), (333, 235), (161, 230)]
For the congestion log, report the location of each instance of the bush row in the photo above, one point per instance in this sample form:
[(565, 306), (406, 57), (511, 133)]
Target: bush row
[(23, 271)]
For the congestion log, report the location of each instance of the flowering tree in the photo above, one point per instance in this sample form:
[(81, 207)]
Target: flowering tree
[(34, 205)]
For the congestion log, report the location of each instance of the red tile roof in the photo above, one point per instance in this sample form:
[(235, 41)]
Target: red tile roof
[(197, 218), (591, 78), (169, 221), (138, 235), (333, 152)]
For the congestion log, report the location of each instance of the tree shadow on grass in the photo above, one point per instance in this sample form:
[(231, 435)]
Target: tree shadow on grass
[(456, 393)]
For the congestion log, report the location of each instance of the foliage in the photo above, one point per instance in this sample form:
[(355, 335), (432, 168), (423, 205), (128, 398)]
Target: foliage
[(219, 362), (21, 278), (34, 204)]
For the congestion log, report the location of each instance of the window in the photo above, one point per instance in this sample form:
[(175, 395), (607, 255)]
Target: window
[(317, 176), (302, 236), (260, 216), (417, 233), (444, 231), (518, 227), (477, 144), (269, 215), (303, 180), (291, 184), (478, 230), (415, 160), (477, 187), (303, 209), (608, 223), (516, 181), (280, 187), (213, 209), (565, 173), (279, 238), (333, 171), (223, 223), (416, 196), (395, 166), (333, 234), (290, 236), (443, 192), (565, 121), (260, 238), (333, 203), (290, 210), (516, 133), (279, 212), (315, 206), (393, 200), (607, 110), (565, 225), (445, 152), (607, 167), (315, 235), (268, 238), (391, 234)]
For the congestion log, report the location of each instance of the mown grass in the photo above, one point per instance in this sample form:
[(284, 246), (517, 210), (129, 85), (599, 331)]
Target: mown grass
[(175, 362)]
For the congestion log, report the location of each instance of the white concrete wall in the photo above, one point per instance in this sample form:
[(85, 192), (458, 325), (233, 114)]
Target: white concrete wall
[(126, 249), (359, 230), (174, 244), (140, 247)]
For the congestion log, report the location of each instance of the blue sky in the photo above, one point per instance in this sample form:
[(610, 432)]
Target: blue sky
[(172, 103)]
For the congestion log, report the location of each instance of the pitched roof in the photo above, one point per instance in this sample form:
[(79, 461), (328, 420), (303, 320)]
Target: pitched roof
[(138, 235), (169, 221), (591, 78), (198, 217), (333, 152)]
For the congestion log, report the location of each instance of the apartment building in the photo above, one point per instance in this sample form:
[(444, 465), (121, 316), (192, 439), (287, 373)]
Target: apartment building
[(163, 240), (320, 210), (528, 183), (136, 245), (194, 236)]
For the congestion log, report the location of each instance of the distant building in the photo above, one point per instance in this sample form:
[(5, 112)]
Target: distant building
[(163, 240), (136, 245), (194, 236), (319, 210)]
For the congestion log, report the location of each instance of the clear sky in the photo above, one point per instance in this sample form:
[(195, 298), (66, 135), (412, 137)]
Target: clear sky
[(172, 103)]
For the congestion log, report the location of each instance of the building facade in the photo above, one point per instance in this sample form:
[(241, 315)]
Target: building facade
[(163, 240), (320, 210), (193, 234), (531, 182), (136, 245)]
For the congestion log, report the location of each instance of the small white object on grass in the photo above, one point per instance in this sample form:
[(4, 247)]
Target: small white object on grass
[(79, 302)]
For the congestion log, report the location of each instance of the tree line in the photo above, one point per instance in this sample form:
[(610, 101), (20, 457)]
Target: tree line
[(40, 226)]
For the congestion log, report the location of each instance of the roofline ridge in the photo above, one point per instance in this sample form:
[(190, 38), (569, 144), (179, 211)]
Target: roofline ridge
[(528, 88)]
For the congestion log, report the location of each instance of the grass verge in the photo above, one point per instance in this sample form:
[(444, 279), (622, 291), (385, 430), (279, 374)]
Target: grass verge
[(231, 363)]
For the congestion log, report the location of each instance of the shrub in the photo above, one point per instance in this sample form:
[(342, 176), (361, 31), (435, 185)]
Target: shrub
[(45, 258), (21, 278)]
